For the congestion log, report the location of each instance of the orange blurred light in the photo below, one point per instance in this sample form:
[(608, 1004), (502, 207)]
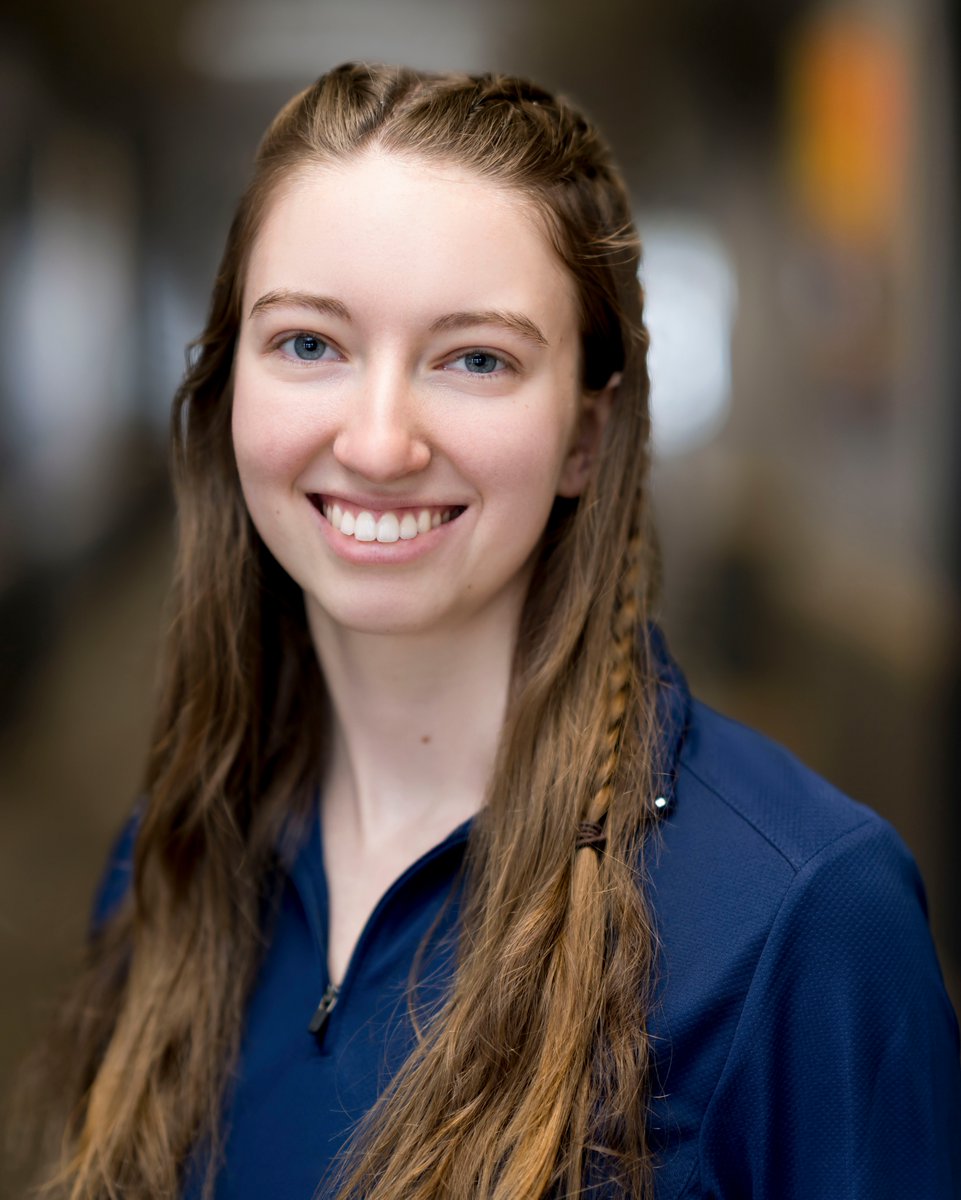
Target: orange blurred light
[(848, 104)]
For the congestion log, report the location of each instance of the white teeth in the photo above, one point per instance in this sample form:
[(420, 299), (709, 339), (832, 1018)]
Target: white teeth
[(365, 527), (388, 528)]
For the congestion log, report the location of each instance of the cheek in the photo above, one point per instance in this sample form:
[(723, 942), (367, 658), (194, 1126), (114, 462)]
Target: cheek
[(266, 465), (267, 446), (521, 456)]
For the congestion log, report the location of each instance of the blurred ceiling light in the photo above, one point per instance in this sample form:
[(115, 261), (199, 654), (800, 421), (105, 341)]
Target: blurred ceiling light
[(690, 306), (248, 41)]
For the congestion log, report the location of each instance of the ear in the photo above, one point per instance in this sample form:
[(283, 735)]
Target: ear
[(595, 409)]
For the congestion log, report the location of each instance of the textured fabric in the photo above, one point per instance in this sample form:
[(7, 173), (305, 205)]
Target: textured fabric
[(805, 1046)]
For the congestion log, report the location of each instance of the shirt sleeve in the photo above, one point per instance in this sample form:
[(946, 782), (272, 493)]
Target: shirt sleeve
[(843, 1078)]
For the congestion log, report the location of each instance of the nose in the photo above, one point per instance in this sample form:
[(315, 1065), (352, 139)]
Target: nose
[(381, 437)]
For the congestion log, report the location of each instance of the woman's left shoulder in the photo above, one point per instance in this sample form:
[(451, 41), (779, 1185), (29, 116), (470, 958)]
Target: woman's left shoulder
[(803, 1017), (736, 794), (773, 848), (764, 788)]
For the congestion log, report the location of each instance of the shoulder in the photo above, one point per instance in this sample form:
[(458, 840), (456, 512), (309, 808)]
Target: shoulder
[(771, 801), (798, 979), (779, 846), (762, 858), (740, 796), (756, 835)]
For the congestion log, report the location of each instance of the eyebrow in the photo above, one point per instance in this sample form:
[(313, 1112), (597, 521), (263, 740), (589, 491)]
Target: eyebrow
[(327, 306), (514, 321)]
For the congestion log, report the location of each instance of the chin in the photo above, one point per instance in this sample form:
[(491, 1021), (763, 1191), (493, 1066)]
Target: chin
[(381, 616)]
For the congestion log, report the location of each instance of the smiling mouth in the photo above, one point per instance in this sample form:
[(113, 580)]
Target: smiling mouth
[(388, 526)]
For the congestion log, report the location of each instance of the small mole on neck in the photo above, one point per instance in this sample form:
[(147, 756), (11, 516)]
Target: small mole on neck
[(425, 739)]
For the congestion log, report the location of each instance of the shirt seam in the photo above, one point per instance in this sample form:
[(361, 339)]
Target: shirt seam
[(794, 865), (828, 846)]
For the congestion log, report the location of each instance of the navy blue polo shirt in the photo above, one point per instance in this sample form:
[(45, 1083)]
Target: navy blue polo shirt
[(805, 1048)]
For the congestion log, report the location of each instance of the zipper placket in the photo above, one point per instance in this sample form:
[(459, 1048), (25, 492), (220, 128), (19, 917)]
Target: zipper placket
[(334, 994)]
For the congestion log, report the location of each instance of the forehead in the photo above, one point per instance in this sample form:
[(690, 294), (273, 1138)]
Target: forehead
[(395, 231)]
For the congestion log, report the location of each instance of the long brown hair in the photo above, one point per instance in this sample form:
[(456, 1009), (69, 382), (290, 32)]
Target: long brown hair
[(532, 1076)]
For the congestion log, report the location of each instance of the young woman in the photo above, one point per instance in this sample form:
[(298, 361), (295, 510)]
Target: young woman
[(441, 885)]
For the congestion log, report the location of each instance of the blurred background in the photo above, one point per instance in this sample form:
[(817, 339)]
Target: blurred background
[(795, 173)]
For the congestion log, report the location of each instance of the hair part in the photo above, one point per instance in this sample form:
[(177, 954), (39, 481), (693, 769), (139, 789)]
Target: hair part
[(543, 1082)]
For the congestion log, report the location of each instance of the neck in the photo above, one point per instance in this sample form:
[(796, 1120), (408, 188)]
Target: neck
[(417, 720)]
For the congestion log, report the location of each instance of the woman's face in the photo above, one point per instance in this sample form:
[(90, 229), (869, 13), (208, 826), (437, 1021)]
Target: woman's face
[(406, 400)]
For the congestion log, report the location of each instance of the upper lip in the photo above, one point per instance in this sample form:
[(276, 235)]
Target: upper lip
[(381, 503)]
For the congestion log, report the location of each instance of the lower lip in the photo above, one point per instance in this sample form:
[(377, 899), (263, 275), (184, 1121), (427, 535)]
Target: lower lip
[(386, 553)]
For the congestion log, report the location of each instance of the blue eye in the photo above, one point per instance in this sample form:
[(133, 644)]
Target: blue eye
[(308, 346), (480, 362), (305, 347)]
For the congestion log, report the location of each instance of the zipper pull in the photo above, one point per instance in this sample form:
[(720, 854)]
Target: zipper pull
[(324, 1009)]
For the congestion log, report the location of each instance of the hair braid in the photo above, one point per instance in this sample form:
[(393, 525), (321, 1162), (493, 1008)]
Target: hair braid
[(594, 934), (623, 671)]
